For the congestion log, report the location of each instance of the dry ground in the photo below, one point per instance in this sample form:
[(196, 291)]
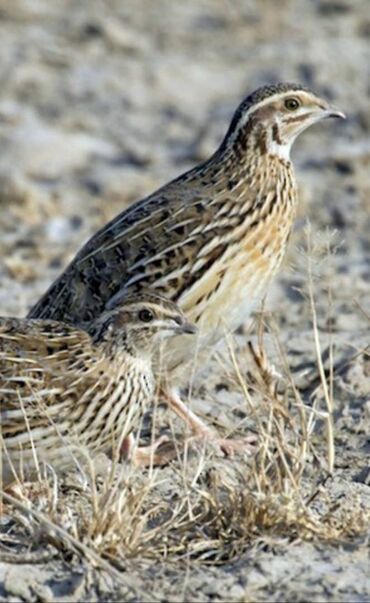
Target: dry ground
[(101, 102)]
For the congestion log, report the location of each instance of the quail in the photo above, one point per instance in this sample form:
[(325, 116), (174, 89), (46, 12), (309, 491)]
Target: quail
[(211, 240), (64, 390)]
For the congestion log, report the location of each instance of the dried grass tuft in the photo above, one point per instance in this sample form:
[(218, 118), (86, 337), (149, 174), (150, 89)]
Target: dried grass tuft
[(204, 508)]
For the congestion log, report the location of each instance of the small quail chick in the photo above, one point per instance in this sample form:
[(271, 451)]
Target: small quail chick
[(65, 392)]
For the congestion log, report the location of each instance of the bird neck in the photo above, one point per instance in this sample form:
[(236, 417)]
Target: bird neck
[(114, 344), (251, 132), (247, 145), (250, 162), (124, 345)]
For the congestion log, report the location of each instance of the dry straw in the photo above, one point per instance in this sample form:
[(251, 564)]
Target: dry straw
[(204, 508)]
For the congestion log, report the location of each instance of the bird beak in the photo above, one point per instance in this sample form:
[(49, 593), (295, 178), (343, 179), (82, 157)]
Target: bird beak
[(187, 327), (333, 112)]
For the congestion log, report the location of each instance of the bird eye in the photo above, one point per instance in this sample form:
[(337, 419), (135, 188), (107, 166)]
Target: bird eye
[(291, 104), (146, 315)]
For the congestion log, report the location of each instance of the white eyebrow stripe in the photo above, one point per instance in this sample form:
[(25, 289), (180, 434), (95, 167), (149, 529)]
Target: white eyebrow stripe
[(266, 101), (278, 96)]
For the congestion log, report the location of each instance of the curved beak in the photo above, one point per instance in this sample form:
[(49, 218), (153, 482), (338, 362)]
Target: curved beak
[(333, 112)]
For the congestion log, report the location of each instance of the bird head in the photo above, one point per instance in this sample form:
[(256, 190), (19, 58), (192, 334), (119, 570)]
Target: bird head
[(140, 321), (270, 119)]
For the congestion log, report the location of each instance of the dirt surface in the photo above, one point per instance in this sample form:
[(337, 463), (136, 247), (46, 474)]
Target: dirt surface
[(102, 102)]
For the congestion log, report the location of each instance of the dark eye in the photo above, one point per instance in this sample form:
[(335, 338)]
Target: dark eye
[(291, 104), (146, 315)]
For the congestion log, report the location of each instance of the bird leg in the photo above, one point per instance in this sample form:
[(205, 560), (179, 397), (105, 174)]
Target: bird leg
[(201, 431), (146, 456)]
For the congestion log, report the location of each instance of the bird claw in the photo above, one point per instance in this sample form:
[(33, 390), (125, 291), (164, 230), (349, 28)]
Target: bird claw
[(146, 456), (228, 446), (231, 447)]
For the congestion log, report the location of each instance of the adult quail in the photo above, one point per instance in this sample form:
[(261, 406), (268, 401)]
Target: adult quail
[(211, 240)]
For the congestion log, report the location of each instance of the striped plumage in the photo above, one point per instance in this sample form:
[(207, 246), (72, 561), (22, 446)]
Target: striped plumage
[(212, 239), (72, 392)]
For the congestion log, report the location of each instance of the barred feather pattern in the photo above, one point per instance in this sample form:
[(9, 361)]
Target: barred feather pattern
[(211, 252), (210, 240), (62, 397)]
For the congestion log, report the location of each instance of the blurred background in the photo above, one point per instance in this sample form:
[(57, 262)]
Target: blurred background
[(103, 101)]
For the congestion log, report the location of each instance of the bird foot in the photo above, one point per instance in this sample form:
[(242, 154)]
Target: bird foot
[(228, 446), (202, 433), (231, 446), (146, 456)]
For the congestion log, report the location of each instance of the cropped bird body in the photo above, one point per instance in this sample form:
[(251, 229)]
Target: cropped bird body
[(65, 392), (211, 240)]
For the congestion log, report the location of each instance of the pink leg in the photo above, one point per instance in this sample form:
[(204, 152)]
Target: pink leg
[(228, 446), (144, 456)]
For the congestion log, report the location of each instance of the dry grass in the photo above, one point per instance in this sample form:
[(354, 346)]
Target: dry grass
[(202, 507)]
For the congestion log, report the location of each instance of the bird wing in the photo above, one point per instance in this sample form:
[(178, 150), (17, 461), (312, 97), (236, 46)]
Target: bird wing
[(150, 244), (38, 364)]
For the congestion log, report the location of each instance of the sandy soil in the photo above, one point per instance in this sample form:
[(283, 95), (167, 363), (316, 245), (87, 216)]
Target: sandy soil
[(100, 103)]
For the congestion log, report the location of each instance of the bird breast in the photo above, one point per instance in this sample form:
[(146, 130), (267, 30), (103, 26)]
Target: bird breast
[(113, 409), (236, 282)]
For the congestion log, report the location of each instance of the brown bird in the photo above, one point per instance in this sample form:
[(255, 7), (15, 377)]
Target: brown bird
[(64, 391), (210, 240)]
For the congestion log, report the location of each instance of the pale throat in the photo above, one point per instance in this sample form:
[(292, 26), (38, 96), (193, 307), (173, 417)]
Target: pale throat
[(280, 149), (281, 137)]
